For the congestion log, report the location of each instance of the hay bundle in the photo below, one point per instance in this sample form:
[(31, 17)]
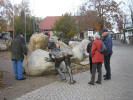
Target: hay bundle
[(38, 41)]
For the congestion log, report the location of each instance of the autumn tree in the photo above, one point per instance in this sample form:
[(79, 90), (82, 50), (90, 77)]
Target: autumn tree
[(125, 20), (94, 20), (83, 19), (105, 12), (18, 17), (130, 10), (5, 14), (130, 6), (66, 25), (8, 11), (3, 25)]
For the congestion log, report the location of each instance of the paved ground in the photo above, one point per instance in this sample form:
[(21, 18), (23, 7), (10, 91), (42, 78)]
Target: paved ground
[(119, 88)]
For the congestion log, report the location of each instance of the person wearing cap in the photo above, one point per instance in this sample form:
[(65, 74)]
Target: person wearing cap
[(97, 59), (20, 36), (107, 40), (18, 50)]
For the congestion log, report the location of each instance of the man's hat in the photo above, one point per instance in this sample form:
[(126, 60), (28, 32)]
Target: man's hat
[(104, 30), (21, 33)]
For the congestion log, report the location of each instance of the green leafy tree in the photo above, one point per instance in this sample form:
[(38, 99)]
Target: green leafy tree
[(21, 23), (67, 25)]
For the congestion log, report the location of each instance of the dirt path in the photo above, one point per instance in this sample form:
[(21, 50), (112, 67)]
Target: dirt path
[(15, 88)]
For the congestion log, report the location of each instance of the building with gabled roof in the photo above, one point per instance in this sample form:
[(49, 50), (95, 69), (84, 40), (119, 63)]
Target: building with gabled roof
[(47, 23)]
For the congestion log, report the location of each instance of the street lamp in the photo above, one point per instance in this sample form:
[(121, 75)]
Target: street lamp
[(25, 27), (13, 20)]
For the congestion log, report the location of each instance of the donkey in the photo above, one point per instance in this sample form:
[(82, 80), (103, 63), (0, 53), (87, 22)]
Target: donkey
[(57, 56)]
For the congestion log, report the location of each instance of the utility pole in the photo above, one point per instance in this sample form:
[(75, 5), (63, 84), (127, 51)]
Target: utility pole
[(25, 27), (6, 16), (13, 20)]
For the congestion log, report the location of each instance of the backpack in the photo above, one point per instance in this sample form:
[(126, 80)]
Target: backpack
[(103, 48)]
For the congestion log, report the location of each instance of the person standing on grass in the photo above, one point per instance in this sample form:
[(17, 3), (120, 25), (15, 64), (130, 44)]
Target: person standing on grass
[(107, 40), (97, 59), (18, 50)]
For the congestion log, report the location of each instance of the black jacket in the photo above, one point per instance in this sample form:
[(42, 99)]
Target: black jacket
[(22, 39), (89, 48), (18, 49)]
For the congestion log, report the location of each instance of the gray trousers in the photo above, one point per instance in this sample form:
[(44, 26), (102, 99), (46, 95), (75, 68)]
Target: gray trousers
[(98, 67)]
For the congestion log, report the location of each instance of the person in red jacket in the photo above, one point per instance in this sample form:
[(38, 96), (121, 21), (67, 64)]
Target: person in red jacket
[(97, 59)]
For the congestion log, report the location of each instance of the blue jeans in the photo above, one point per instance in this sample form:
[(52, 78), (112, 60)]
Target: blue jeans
[(17, 67)]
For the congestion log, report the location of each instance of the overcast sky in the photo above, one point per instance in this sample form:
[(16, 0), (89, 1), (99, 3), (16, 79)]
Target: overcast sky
[(43, 8)]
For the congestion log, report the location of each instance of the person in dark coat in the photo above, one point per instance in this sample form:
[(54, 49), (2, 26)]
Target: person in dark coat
[(89, 51), (107, 40), (18, 50), (97, 59), (20, 36)]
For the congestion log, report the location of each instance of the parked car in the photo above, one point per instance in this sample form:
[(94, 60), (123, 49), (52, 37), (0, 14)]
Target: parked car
[(5, 36)]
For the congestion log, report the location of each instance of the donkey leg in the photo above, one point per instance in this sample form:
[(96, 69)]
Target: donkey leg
[(57, 67), (67, 62)]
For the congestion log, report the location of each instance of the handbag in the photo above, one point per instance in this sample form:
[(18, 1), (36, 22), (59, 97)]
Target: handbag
[(103, 48)]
